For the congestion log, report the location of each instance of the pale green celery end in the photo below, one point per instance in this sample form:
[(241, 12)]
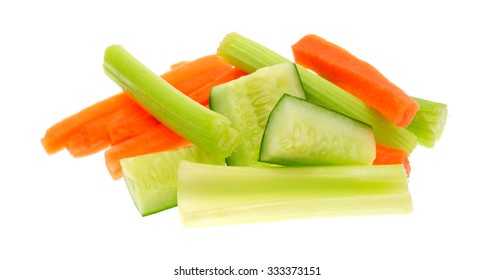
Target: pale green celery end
[(201, 126), (249, 56), (429, 122), (212, 195), (246, 54)]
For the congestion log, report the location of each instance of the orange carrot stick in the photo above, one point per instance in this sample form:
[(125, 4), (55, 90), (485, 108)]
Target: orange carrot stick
[(386, 155), (56, 137), (94, 135), (90, 138), (130, 124), (355, 76), (158, 138)]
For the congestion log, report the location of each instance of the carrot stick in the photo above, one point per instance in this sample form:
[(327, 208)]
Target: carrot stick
[(93, 136), (158, 138), (90, 138), (386, 155), (355, 76), (130, 124), (56, 137)]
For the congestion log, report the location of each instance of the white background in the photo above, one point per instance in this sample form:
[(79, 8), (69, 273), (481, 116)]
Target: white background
[(65, 218)]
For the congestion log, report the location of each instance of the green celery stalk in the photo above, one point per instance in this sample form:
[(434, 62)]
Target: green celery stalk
[(429, 122), (215, 195), (201, 126), (249, 56)]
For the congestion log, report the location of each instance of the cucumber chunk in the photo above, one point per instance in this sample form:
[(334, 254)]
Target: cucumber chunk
[(152, 179), (301, 133), (247, 102)]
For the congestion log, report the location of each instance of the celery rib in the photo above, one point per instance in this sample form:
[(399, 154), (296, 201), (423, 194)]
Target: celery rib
[(429, 122), (249, 56), (214, 195), (201, 126)]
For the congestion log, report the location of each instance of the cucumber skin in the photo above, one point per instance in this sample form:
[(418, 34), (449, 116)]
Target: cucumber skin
[(247, 102), (301, 133)]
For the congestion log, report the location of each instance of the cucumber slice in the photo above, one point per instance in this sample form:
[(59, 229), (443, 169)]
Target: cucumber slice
[(247, 102), (301, 133), (152, 179)]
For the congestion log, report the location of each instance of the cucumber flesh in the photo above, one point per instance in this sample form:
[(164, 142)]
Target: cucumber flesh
[(301, 133), (248, 101), (152, 179)]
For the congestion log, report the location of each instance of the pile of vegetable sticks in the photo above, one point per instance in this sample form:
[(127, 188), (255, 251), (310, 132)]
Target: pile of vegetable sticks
[(136, 122)]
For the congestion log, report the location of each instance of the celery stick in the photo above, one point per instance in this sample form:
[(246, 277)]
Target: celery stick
[(214, 195), (429, 122), (249, 56), (201, 126)]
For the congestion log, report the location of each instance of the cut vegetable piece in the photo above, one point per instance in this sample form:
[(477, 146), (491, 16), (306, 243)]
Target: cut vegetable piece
[(301, 133), (215, 195), (429, 122), (386, 155), (249, 56), (355, 76), (130, 124), (90, 138), (56, 136), (95, 135), (156, 139), (247, 102), (201, 126), (152, 179)]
